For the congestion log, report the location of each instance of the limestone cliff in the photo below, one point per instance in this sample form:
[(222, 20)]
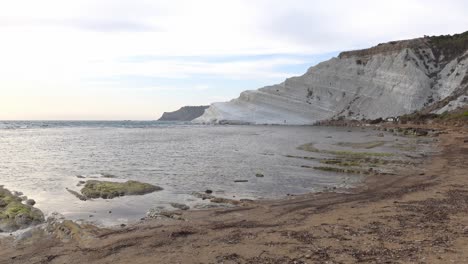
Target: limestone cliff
[(186, 113), (387, 80)]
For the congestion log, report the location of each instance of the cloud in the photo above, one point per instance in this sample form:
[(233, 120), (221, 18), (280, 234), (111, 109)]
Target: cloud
[(339, 25), (87, 47), (92, 25)]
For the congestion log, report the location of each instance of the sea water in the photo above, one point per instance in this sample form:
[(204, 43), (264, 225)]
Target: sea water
[(43, 158)]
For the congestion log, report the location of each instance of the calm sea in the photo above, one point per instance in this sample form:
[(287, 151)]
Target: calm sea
[(42, 158)]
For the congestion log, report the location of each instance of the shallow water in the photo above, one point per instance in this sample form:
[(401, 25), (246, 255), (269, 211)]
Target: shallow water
[(42, 159)]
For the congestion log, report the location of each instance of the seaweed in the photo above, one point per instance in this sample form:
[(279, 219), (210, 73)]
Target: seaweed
[(109, 190), (310, 147)]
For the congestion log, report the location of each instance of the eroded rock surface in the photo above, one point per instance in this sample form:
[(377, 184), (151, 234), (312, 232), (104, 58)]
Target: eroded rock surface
[(388, 80)]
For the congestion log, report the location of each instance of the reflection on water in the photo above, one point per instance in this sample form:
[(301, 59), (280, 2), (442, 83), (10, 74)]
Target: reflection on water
[(42, 159)]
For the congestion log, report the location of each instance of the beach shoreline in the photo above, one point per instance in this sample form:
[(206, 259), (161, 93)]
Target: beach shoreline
[(399, 218)]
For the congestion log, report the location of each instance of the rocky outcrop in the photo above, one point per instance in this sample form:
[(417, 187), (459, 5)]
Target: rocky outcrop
[(186, 113), (14, 214), (109, 190), (387, 80)]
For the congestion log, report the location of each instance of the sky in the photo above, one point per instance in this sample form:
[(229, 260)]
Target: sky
[(135, 59)]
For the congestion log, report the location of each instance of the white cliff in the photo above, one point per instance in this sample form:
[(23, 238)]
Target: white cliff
[(388, 80)]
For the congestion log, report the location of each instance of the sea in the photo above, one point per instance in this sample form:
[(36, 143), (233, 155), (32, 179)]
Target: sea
[(43, 158)]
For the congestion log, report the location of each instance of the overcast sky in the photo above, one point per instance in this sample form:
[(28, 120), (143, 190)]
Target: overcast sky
[(134, 59)]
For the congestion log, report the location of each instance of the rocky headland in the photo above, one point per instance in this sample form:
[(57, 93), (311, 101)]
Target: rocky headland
[(389, 80), (186, 113)]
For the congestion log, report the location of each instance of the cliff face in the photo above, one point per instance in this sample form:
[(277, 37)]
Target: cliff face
[(186, 113), (388, 80)]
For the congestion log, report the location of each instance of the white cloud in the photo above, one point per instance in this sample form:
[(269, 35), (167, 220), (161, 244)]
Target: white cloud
[(53, 47)]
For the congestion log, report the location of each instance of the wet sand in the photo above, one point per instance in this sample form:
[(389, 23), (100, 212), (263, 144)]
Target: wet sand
[(417, 216)]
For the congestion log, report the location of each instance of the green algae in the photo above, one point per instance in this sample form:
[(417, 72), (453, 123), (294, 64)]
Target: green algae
[(310, 147), (109, 190), (14, 214), (361, 145), (300, 157), (342, 163), (340, 170)]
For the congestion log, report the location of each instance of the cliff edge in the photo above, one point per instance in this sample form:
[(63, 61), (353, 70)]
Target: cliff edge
[(388, 80), (186, 113)]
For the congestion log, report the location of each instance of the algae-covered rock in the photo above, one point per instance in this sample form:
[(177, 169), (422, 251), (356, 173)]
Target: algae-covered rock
[(180, 206), (14, 214), (109, 190)]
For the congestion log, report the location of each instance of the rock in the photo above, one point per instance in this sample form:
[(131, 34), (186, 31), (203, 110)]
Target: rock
[(66, 230), (80, 177), (387, 80), (30, 202), (421, 132), (224, 200), (180, 206), (80, 183), (77, 195), (108, 175), (155, 213), (15, 193), (203, 196), (14, 214), (109, 190), (209, 191), (259, 175), (186, 113), (212, 205)]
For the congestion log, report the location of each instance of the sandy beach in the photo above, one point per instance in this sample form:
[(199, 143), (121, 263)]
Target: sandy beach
[(417, 216)]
